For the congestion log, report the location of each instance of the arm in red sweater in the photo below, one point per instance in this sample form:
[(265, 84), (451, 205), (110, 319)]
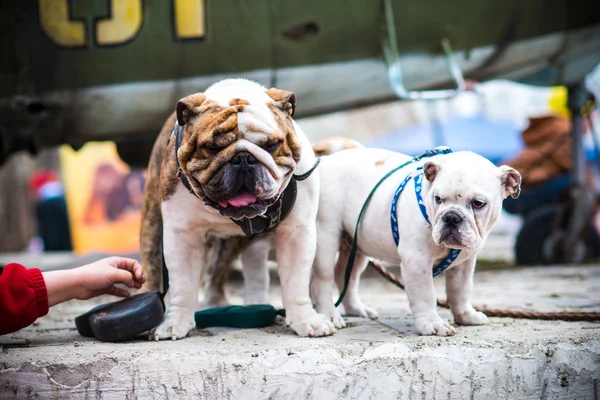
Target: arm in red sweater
[(23, 297), (26, 295)]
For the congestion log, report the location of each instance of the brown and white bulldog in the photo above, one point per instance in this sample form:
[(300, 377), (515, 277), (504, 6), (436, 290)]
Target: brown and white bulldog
[(239, 149)]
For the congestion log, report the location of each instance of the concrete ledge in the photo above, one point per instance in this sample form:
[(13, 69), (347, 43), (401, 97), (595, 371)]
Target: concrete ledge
[(381, 359), (359, 362)]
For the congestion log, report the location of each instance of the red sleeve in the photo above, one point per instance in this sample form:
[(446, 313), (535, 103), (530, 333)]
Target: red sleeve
[(23, 297)]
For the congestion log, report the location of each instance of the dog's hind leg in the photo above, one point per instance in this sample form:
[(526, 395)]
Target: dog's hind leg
[(352, 303), (256, 271), (222, 253)]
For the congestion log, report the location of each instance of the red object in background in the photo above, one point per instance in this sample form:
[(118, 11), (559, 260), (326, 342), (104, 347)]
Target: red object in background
[(23, 297), (40, 178), (51, 211)]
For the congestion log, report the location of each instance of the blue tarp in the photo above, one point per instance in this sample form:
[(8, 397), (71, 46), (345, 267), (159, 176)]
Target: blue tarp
[(495, 140)]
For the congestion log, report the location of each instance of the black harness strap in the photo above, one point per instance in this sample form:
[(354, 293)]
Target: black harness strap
[(307, 173)]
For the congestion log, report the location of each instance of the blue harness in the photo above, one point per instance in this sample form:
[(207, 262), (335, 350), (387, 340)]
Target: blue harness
[(454, 253)]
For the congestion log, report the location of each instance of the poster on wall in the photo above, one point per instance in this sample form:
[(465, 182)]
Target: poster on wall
[(104, 199)]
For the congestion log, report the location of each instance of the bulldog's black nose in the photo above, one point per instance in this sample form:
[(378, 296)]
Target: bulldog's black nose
[(243, 158), (452, 218)]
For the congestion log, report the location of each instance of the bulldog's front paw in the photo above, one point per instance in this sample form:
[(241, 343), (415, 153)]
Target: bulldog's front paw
[(335, 316), (471, 317), (172, 328), (433, 325), (358, 309), (312, 324)]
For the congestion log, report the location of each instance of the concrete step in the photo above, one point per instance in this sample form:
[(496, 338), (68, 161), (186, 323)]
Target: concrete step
[(371, 359)]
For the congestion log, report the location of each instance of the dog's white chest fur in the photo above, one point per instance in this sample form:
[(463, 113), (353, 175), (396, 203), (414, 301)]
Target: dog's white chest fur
[(189, 214)]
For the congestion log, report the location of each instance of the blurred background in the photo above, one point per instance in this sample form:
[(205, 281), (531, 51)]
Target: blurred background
[(85, 87)]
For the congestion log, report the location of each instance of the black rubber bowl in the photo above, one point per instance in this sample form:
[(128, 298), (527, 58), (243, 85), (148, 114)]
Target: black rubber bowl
[(124, 319)]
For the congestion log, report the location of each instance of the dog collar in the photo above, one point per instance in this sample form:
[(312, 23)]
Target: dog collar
[(418, 179), (275, 213)]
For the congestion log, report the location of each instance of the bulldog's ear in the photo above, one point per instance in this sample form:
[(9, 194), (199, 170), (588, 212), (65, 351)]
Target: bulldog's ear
[(188, 107), (284, 100), (510, 179), (430, 170)]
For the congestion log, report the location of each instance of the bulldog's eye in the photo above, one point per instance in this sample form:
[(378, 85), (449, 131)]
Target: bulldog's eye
[(272, 147), (438, 199), (478, 204), (211, 149)]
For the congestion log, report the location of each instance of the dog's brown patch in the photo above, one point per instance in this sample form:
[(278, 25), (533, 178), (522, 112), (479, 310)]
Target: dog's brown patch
[(239, 102), (209, 142), (288, 153), (284, 100), (283, 108), (168, 168), (187, 107), (155, 190), (322, 148), (325, 146)]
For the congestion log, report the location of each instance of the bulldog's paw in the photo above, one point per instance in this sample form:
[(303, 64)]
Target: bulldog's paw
[(471, 317), (171, 329), (336, 318), (312, 325), (334, 315), (358, 309), (434, 325)]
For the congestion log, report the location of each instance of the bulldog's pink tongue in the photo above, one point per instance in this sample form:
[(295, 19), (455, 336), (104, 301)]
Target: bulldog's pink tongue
[(240, 200)]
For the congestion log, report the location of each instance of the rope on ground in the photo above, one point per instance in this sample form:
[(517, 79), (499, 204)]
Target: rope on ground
[(493, 312)]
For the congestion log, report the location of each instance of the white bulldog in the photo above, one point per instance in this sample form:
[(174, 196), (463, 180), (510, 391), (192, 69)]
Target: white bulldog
[(462, 196), (226, 155)]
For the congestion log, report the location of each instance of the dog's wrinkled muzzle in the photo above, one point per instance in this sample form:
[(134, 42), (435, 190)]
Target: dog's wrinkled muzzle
[(238, 189), (451, 229)]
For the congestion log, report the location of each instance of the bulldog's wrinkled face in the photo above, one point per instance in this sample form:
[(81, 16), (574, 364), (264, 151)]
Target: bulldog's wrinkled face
[(239, 145), (464, 198)]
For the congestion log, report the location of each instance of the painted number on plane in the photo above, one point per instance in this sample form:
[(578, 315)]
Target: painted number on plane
[(124, 23)]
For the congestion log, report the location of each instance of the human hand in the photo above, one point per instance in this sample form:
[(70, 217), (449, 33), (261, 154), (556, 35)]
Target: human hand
[(100, 277), (93, 280)]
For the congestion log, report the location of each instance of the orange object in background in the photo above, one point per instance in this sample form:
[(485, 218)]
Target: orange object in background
[(104, 199), (547, 151)]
